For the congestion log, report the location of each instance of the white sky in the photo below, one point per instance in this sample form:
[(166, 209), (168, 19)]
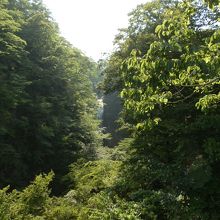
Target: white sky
[(91, 25)]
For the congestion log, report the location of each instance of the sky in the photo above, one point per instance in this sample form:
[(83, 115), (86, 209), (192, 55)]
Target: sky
[(91, 25)]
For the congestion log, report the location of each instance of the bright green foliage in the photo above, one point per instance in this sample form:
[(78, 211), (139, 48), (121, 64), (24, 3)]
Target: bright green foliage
[(138, 35), (93, 177), (34, 202), (171, 96), (169, 81), (174, 69), (94, 182), (27, 204), (103, 206)]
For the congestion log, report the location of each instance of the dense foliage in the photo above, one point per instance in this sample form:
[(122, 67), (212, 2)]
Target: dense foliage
[(166, 66), (168, 75), (212, 3), (47, 106)]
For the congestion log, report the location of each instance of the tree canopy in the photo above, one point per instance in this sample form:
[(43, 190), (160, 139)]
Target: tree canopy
[(47, 101), (166, 68)]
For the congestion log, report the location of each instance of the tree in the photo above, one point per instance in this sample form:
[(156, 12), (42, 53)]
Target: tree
[(49, 105), (11, 91), (170, 95)]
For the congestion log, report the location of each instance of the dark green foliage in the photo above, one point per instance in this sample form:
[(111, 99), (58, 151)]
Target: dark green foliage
[(112, 109), (212, 3), (11, 91), (47, 104)]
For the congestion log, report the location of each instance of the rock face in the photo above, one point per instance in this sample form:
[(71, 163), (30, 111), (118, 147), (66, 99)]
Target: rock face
[(112, 109), (100, 108)]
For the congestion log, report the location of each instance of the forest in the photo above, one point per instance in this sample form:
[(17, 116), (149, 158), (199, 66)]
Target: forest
[(155, 152)]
